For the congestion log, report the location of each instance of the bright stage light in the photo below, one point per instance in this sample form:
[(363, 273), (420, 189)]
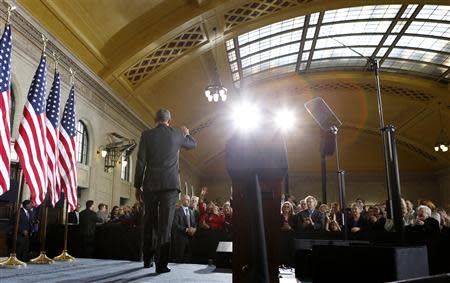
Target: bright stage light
[(285, 119), (246, 116)]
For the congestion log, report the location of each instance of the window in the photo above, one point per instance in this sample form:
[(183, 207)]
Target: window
[(125, 171), (404, 38), (82, 143)]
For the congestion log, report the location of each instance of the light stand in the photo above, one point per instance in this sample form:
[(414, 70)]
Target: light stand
[(341, 184), (389, 149)]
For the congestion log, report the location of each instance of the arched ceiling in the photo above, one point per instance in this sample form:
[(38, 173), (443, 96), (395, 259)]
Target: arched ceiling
[(158, 54)]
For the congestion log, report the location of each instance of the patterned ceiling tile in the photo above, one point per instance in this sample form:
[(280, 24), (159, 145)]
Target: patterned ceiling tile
[(164, 54), (255, 9)]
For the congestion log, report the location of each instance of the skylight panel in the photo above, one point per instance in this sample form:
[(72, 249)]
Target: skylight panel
[(354, 27), (235, 76), (352, 40), (435, 12), (231, 56), (268, 30), (270, 64), (358, 13), (229, 44), (273, 72), (305, 56), (334, 63), (429, 28), (382, 51), (269, 54), (413, 67), (398, 26), (270, 42), (310, 33), (313, 19), (419, 55), (409, 11), (342, 52), (424, 43), (234, 67), (308, 44), (390, 39)]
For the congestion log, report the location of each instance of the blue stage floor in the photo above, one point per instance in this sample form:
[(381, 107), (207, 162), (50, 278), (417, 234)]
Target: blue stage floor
[(117, 271)]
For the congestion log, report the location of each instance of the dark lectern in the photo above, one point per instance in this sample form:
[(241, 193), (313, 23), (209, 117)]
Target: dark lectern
[(257, 165)]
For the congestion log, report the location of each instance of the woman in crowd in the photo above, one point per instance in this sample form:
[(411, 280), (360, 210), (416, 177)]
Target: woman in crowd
[(335, 213), (431, 205), (356, 223), (212, 219), (287, 216), (376, 219), (445, 219), (114, 214), (228, 213), (425, 222)]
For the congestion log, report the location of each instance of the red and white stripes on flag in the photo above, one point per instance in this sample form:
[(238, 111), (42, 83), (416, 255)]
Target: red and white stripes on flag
[(52, 128), (68, 152), (31, 143), (5, 105)]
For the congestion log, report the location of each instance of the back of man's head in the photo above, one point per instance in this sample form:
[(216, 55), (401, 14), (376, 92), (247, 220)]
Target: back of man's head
[(89, 204), (162, 116)]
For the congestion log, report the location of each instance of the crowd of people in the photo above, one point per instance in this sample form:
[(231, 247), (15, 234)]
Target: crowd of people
[(307, 216), (423, 224)]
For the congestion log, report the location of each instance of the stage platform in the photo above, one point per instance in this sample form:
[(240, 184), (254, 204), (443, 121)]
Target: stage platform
[(119, 271)]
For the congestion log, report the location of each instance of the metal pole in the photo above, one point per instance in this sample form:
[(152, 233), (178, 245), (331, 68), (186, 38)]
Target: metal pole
[(341, 185), (12, 261), (42, 258), (323, 165), (65, 256)]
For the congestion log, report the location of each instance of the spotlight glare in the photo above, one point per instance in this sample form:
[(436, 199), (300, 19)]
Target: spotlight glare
[(445, 149), (285, 119), (436, 148), (246, 116), (442, 146)]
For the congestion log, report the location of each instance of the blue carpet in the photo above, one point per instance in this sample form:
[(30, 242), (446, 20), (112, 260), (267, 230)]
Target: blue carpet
[(112, 271)]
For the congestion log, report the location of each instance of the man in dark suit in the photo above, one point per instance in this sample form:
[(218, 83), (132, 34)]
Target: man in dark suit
[(184, 227), (88, 221), (157, 182), (74, 216), (309, 219), (23, 236)]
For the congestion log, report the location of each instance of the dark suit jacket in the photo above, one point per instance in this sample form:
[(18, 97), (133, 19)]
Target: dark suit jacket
[(317, 217), (88, 221), (24, 222), (180, 222), (73, 218), (157, 164)]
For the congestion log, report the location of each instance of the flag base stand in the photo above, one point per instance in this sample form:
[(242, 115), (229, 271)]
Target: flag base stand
[(13, 262), (42, 259), (64, 256)]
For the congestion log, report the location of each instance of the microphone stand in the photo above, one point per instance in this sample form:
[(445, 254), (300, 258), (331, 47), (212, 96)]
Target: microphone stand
[(389, 149)]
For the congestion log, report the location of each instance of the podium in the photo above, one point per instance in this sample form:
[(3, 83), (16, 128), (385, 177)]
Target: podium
[(257, 164)]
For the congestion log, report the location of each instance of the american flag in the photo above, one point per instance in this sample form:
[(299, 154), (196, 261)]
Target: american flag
[(51, 123), (5, 104), (30, 145), (67, 152)]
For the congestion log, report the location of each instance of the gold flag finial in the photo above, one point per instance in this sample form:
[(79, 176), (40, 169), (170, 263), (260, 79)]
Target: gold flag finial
[(72, 76), (10, 9), (55, 58), (44, 42)]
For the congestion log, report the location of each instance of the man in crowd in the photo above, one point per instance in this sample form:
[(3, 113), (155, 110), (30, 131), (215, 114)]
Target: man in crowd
[(184, 228), (102, 213), (88, 221), (74, 216), (25, 227), (157, 182), (310, 219)]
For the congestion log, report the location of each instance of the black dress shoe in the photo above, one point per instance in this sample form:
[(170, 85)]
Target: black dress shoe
[(148, 264), (162, 269)]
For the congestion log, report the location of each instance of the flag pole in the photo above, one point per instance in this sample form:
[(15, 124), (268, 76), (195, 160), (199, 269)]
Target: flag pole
[(65, 256), (13, 261), (42, 258)]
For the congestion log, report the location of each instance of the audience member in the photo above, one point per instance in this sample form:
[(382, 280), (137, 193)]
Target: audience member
[(74, 216), (356, 222), (88, 221), (184, 228), (115, 217), (310, 219), (102, 213), (23, 235), (228, 213), (287, 216)]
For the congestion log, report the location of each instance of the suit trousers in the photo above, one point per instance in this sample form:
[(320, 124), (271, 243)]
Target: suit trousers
[(159, 213)]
